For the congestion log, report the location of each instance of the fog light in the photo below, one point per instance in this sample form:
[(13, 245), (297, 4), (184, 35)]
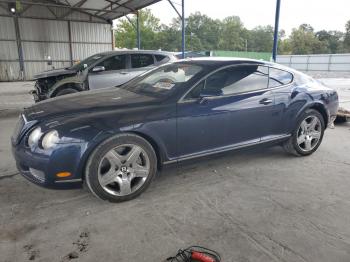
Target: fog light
[(37, 174), (63, 174)]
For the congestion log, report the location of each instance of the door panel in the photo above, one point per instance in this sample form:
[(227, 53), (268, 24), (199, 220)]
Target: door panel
[(201, 126), (107, 79), (115, 73), (224, 122), (236, 107)]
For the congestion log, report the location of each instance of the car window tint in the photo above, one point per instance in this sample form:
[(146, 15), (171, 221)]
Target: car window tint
[(163, 80), (114, 63), (141, 60), (279, 77), (159, 57), (235, 80), (196, 91)]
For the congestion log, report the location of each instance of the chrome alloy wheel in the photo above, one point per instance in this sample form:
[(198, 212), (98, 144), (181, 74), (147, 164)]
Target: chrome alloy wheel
[(123, 170), (309, 133)]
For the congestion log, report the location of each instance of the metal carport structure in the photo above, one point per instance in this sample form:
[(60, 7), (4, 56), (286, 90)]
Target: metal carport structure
[(35, 34), (59, 32)]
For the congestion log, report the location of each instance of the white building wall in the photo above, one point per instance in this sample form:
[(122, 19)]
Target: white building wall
[(328, 62)]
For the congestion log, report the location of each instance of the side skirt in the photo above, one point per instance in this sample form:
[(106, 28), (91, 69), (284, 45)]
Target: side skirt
[(229, 148)]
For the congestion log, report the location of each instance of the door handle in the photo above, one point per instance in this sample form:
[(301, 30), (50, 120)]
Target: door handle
[(123, 73), (203, 101), (265, 101)]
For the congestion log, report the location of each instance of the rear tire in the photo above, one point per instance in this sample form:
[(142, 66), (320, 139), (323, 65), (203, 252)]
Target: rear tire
[(307, 135), (121, 168)]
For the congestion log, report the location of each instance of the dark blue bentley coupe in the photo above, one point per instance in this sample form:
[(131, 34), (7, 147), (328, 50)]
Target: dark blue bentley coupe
[(115, 140)]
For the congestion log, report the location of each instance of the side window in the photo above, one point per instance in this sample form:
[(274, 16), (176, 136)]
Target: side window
[(235, 80), (279, 77), (196, 91), (161, 59), (141, 60), (117, 62)]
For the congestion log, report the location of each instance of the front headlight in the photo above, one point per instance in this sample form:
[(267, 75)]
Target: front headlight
[(50, 139), (34, 137)]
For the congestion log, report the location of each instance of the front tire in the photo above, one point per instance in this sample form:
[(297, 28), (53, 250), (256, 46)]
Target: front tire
[(66, 91), (308, 134), (121, 168)]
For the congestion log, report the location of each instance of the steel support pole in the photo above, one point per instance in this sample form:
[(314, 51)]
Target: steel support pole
[(183, 28), (19, 47), (138, 30), (275, 36), (70, 43)]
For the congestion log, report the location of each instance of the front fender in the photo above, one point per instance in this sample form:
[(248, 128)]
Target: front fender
[(76, 82)]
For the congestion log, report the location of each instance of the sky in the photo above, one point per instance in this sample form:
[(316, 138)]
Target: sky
[(321, 14)]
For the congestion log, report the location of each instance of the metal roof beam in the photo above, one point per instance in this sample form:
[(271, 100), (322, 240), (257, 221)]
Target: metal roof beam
[(133, 25), (5, 8), (118, 5), (79, 4), (51, 11), (25, 9), (177, 11), (121, 5), (50, 4)]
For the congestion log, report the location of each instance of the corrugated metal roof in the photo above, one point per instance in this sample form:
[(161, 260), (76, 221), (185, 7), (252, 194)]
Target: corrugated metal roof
[(96, 10)]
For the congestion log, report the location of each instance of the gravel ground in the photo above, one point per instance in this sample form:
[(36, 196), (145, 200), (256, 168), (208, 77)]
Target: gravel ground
[(324, 74), (257, 205), (254, 205), (14, 96)]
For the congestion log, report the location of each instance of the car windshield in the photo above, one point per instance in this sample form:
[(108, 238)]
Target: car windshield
[(163, 80), (87, 62)]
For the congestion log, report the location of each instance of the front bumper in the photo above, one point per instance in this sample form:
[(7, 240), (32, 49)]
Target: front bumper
[(40, 167), (39, 93), (37, 96)]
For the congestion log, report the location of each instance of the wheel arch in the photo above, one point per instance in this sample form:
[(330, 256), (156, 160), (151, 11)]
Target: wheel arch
[(157, 149), (322, 110), (74, 85), (103, 136)]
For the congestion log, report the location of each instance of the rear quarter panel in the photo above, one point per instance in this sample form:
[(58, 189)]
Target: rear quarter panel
[(294, 99)]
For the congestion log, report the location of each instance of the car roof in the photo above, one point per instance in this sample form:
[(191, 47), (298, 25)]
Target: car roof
[(226, 61), (221, 60), (152, 52)]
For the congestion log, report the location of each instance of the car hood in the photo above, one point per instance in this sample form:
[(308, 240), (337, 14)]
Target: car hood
[(55, 72), (88, 102)]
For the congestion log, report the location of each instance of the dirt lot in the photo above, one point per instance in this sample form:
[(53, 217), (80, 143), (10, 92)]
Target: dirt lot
[(260, 205), (256, 205)]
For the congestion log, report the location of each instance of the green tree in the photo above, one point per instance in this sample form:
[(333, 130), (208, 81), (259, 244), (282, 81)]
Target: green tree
[(260, 39), (202, 31), (169, 37), (347, 37), (233, 35), (205, 33), (304, 41), (125, 35), (332, 39)]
